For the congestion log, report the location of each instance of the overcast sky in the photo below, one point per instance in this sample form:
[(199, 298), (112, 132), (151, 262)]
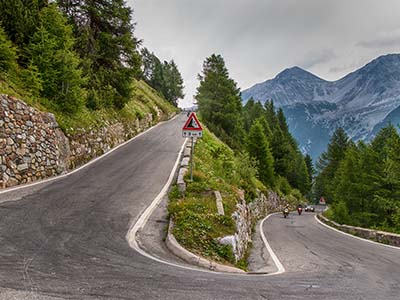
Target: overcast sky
[(260, 38)]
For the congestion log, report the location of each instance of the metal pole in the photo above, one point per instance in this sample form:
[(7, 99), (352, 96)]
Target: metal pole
[(191, 161)]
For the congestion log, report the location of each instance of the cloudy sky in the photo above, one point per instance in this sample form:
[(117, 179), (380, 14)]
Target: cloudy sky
[(260, 38)]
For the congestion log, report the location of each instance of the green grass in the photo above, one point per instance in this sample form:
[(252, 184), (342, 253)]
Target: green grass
[(144, 100), (197, 223)]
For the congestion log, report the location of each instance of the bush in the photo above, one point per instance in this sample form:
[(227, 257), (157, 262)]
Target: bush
[(341, 213), (8, 56), (282, 184)]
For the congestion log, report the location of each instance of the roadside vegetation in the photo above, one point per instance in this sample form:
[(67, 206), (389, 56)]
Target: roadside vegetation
[(246, 149), (197, 223), (217, 168), (259, 130), (82, 62), (361, 182)]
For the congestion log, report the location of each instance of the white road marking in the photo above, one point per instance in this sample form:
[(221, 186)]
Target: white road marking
[(141, 222), (355, 237), (83, 166), (131, 235), (277, 262)]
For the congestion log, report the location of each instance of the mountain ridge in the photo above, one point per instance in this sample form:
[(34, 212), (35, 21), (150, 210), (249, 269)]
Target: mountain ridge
[(362, 100)]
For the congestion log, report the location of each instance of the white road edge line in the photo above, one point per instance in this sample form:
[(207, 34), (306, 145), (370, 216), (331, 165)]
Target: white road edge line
[(277, 262), (141, 222), (355, 237), (85, 165)]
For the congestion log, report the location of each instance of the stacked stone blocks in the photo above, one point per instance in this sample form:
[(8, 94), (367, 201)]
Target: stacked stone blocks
[(33, 147)]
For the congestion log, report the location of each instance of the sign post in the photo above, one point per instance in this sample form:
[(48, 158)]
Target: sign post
[(192, 129)]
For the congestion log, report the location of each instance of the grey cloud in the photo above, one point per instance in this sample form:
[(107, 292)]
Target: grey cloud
[(386, 39), (316, 58), (260, 38)]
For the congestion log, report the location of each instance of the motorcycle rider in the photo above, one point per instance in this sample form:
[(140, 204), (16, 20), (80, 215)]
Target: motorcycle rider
[(299, 208), (286, 210)]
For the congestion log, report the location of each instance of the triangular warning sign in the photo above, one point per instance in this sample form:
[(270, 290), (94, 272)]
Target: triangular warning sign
[(192, 123)]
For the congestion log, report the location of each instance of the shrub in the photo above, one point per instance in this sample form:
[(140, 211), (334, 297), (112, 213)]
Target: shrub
[(341, 213)]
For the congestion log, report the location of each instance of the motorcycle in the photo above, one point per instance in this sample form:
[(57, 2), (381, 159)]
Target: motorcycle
[(299, 210), (285, 212)]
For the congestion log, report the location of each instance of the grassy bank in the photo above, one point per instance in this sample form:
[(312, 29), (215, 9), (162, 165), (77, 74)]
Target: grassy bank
[(144, 100), (197, 223)]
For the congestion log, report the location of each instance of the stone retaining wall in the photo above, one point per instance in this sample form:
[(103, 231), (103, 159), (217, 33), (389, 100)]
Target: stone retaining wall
[(86, 144), (247, 214), (375, 235), (33, 147)]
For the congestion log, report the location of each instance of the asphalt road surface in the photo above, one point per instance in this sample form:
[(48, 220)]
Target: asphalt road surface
[(66, 240)]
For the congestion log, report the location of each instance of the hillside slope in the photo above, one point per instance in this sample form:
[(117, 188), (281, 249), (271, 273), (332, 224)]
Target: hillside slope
[(36, 143)]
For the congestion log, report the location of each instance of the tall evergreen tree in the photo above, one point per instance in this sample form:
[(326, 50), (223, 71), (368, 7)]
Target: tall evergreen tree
[(172, 83), (251, 112), (329, 161), (19, 18), (348, 187), (219, 102), (148, 61), (8, 56), (258, 147), (51, 52), (106, 44), (310, 167), (163, 77), (270, 114)]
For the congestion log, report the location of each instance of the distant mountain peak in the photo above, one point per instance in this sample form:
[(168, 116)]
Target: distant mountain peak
[(292, 71), (296, 73), (359, 102)]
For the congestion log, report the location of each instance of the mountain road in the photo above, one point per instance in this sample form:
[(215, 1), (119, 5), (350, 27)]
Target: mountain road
[(66, 239)]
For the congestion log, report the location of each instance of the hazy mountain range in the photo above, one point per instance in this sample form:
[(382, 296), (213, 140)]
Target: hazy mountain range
[(362, 102)]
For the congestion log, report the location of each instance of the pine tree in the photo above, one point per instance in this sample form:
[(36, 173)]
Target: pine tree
[(172, 83), (329, 161), (310, 167), (386, 148), (219, 102), (282, 153), (347, 185), (19, 18), (285, 129), (298, 174), (270, 114), (164, 78), (51, 53), (258, 147), (8, 56), (106, 44), (251, 112)]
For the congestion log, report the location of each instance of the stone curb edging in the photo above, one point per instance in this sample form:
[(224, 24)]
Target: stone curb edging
[(173, 245), (382, 237), (171, 242)]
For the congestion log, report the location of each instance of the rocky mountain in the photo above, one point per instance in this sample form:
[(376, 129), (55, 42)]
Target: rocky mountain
[(362, 102)]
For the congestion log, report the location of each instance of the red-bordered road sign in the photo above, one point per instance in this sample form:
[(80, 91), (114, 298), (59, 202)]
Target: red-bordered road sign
[(192, 127)]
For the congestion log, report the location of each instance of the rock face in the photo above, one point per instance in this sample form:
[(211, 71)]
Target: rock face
[(246, 215), (33, 147)]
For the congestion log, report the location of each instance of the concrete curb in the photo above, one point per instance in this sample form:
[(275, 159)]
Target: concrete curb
[(173, 246)]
